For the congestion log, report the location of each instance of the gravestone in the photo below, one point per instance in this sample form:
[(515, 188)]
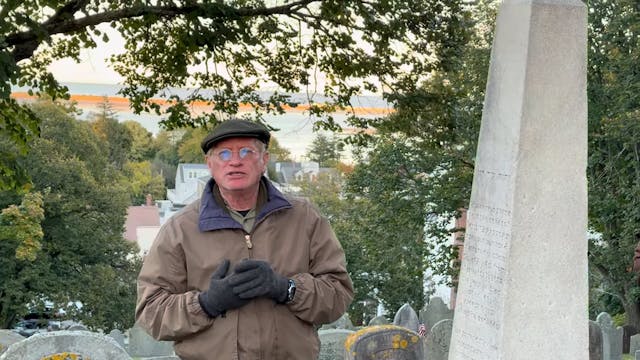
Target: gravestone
[(378, 320), (344, 322), (435, 311), (65, 343), (77, 327), (595, 341), (523, 284), (634, 344), (438, 340), (611, 337), (8, 337), (637, 355), (332, 343), (407, 318), (142, 344), (627, 332), (384, 342), (118, 336)]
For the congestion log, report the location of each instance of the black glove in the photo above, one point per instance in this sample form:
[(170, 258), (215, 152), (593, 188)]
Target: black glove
[(220, 297), (255, 278)]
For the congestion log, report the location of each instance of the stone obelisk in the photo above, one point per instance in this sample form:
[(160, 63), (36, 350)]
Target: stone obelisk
[(523, 285)]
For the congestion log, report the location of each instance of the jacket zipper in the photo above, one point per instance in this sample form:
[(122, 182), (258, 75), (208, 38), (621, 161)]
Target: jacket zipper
[(247, 240), (247, 237)]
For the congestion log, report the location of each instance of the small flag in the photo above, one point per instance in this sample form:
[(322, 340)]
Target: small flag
[(422, 330)]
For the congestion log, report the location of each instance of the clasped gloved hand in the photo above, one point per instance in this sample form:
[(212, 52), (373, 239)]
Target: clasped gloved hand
[(256, 278), (220, 297)]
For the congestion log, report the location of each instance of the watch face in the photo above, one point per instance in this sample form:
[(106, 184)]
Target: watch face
[(291, 291)]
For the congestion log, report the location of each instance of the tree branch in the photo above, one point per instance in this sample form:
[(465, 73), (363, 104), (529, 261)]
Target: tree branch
[(6, 8), (63, 22)]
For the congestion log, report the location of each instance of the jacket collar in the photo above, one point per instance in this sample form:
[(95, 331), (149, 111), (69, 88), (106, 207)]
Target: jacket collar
[(214, 216)]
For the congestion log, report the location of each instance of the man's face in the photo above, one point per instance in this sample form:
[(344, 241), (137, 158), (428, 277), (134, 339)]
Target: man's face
[(234, 173)]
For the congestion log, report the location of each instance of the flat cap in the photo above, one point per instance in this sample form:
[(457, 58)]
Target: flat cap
[(235, 128)]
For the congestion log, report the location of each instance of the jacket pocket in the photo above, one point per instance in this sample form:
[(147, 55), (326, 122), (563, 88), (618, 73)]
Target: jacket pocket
[(295, 338)]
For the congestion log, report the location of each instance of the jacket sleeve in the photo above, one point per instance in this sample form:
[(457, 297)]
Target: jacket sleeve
[(165, 308), (326, 291)]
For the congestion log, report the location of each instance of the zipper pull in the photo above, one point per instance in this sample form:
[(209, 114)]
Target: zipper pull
[(247, 239)]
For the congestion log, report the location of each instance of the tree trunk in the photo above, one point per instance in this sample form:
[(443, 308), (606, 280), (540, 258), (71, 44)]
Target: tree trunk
[(632, 310)]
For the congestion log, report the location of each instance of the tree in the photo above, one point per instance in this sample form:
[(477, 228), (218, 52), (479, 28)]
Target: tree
[(614, 167), (84, 257), (142, 181), (20, 246), (325, 150), (227, 52), (166, 159), (432, 138), (389, 224), (142, 142), (189, 146), (380, 223), (277, 152), (117, 136), (343, 214), (17, 129), (614, 164)]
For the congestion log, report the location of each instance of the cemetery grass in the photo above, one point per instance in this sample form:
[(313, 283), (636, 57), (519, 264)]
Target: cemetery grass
[(627, 357)]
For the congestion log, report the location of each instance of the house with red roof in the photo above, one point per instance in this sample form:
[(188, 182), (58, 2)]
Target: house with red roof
[(142, 225)]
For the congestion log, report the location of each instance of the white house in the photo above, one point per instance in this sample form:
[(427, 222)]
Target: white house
[(190, 181), (288, 172)]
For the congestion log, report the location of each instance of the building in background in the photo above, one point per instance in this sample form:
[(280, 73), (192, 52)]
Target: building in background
[(190, 182), (142, 225)]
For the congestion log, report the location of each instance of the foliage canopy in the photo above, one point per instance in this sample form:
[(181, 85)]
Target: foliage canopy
[(227, 53), (64, 243), (614, 155)]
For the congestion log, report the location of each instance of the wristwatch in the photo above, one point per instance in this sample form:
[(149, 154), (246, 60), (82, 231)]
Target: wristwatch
[(291, 290)]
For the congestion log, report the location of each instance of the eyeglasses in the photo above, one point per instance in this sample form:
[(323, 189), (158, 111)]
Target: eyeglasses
[(226, 154)]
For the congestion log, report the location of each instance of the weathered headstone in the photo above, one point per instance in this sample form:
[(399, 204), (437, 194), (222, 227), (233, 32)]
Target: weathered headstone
[(74, 344), (384, 342), (142, 344), (438, 340), (525, 248), (595, 341), (627, 332), (611, 337), (378, 320), (407, 318), (332, 343), (344, 322), (8, 337), (77, 327), (634, 344), (118, 336), (435, 311), (637, 355)]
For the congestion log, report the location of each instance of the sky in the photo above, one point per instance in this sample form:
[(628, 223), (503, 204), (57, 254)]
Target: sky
[(93, 68)]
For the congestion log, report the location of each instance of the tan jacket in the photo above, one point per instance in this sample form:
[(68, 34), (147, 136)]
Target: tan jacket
[(289, 234)]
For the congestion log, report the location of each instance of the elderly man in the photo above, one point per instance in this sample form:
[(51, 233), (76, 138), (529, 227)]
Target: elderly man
[(245, 272)]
